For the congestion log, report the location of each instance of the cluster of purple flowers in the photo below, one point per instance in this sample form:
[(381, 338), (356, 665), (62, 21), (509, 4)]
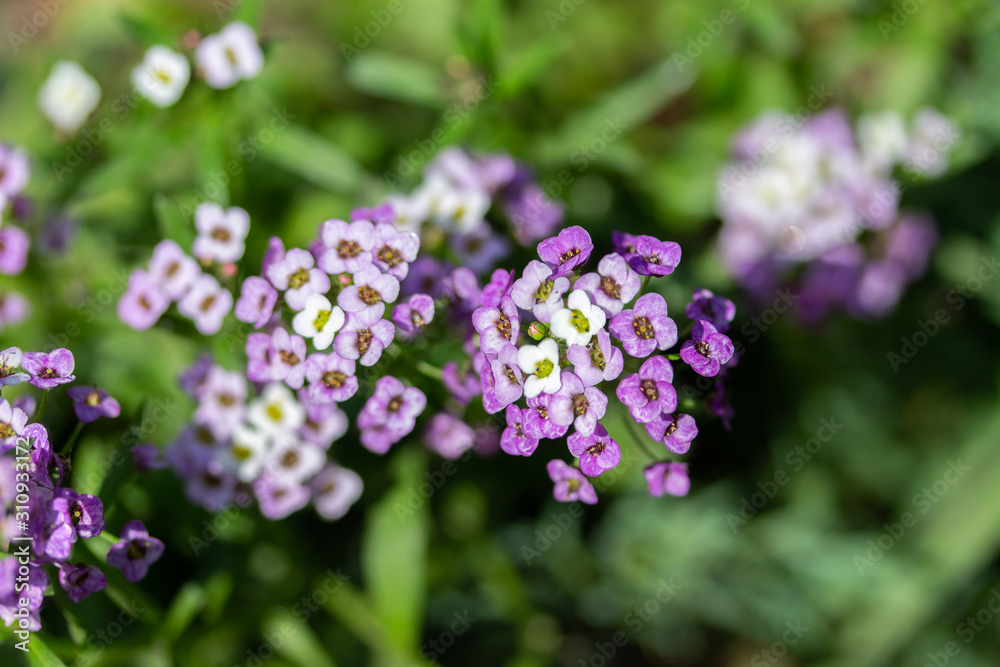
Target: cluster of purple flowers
[(591, 332), (15, 172), (814, 205), (174, 276), (41, 516)]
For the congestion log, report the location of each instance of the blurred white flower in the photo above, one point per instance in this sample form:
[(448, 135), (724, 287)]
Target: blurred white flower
[(933, 137), (68, 96), (162, 76), (230, 55), (883, 139)]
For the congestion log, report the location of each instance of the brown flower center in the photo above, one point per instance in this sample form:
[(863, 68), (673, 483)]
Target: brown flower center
[(334, 379), (649, 389), (389, 255), (580, 405), (288, 358), (348, 249), (298, 279), (221, 234), (365, 337), (611, 287), (643, 327), (369, 295)]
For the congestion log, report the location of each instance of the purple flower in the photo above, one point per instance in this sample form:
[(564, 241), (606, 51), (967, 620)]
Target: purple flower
[(716, 310), (676, 433), (415, 314), (571, 248), (426, 276), (40, 456), (498, 288), (514, 440), (372, 289), (49, 370), (463, 384), (624, 243), (54, 536), (325, 422), (334, 490), (501, 379), (578, 405), (600, 361), (394, 249), (296, 276), (222, 402), (13, 309), (82, 511), (348, 246), (135, 552), (14, 244), (331, 378), (497, 327), (646, 327), (275, 251), (211, 486), (449, 436), (257, 301), (143, 302), (614, 284), (648, 394), (12, 422), (9, 360), (597, 451), (81, 580), (193, 379), (90, 404), (707, 350), (383, 213), (392, 405), (146, 457), (221, 233), (14, 171), (207, 303), (261, 357), (654, 257), (364, 336), (532, 214), (462, 287), (12, 593), (481, 249), (288, 361), (278, 497), (172, 270), (538, 423), (570, 484), (667, 477)]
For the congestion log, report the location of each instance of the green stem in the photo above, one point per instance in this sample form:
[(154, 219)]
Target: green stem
[(430, 371), (74, 436), (645, 285), (41, 406), (640, 439)]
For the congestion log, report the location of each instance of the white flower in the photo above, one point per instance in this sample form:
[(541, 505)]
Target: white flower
[(276, 412), (294, 462), (320, 320), (883, 139), (540, 364), (221, 232), (230, 55), (933, 137), (449, 207), (579, 322), (68, 96), (247, 452), (162, 76)]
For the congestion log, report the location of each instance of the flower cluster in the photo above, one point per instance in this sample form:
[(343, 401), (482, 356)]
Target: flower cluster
[(15, 171), (593, 333), (820, 197), (39, 508)]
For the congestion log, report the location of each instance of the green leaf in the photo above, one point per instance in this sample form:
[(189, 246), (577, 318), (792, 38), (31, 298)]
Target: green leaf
[(40, 655), (396, 78), (171, 222), (247, 11), (299, 644), (190, 600), (527, 66), (145, 31), (315, 159)]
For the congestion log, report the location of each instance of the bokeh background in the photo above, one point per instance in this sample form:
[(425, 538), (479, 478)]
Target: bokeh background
[(488, 568)]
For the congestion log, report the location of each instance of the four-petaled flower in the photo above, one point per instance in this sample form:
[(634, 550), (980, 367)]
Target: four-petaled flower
[(707, 350), (135, 552)]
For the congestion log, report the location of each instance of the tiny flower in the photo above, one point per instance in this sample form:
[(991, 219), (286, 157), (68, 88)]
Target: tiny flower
[(394, 249), (707, 350), (578, 405), (415, 314), (162, 76), (480, 250), (381, 214), (81, 580), (293, 461), (570, 484), (49, 370), (597, 451), (579, 322), (222, 402), (276, 412), (348, 246), (207, 303), (260, 357), (143, 303), (256, 303), (498, 288), (82, 511), (497, 327), (394, 405), (460, 211), (448, 436), (68, 96), (462, 287), (14, 244), (279, 497), (514, 440), (713, 309), (325, 422), (667, 477), (211, 486), (13, 309), (646, 327), (295, 273), (12, 422), (289, 358), (135, 552), (320, 321), (538, 423), (15, 171), (172, 270), (676, 433), (229, 56), (246, 452), (462, 383), (146, 457), (600, 361), (426, 276), (9, 360), (364, 336), (91, 403), (371, 289), (30, 589), (614, 284), (571, 248), (654, 257), (504, 382), (331, 378), (221, 233), (648, 394), (334, 490), (540, 365)]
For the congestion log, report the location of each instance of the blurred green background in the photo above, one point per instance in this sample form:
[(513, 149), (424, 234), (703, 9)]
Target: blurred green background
[(490, 569)]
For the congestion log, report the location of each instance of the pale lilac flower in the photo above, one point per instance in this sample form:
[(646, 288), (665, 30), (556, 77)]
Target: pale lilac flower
[(413, 315), (570, 484), (14, 171), (537, 422), (49, 370), (14, 244), (481, 249), (334, 490), (371, 289), (597, 451), (319, 321), (230, 55), (462, 287), (393, 405), (207, 303), (135, 552), (648, 394), (614, 285), (498, 288), (646, 327), (380, 214), (714, 309), (293, 461), (504, 381), (261, 357), (497, 327), (654, 257), (172, 270), (579, 321), (514, 440), (349, 246), (12, 422), (578, 405), (211, 486), (675, 432), (449, 436), (256, 302), (289, 358), (279, 498), (331, 378), (221, 233), (364, 336), (394, 249), (569, 249), (600, 361), (295, 274), (143, 303), (222, 402), (13, 309), (707, 350), (666, 477), (325, 422), (462, 383), (538, 291), (81, 580), (33, 592), (540, 365), (91, 403), (10, 359)]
